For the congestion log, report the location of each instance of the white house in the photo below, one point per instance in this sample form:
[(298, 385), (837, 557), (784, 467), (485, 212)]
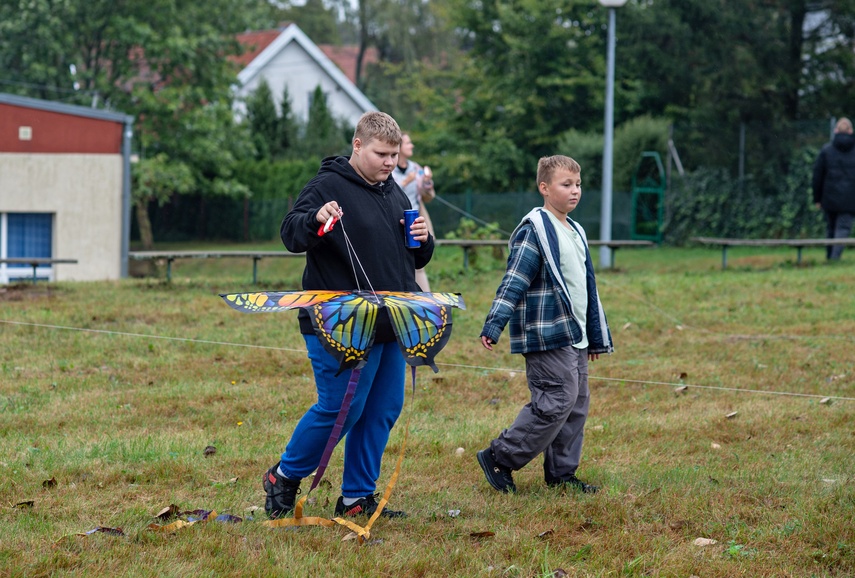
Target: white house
[(287, 57)]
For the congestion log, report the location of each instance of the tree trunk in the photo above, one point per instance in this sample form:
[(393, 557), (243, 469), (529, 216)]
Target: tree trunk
[(144, 224), (145, 268)]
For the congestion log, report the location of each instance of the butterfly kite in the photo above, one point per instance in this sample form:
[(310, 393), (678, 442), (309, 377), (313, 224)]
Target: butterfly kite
[(345, 323)]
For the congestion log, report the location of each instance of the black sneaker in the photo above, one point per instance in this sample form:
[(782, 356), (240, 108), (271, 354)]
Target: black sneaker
[(364, 507), (573, 483), (499, 476), (281, 493)]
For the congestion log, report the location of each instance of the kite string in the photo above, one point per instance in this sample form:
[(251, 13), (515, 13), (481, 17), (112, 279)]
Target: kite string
[(351, 252), (450, 365)]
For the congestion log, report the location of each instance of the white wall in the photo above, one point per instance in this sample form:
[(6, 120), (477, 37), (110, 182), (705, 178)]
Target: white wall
[(84, 192)]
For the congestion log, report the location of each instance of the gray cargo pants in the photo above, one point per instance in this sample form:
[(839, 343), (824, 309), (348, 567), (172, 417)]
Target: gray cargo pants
[(553, 421)]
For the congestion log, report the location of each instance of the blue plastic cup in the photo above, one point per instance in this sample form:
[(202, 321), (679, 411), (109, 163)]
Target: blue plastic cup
[(410, 215)]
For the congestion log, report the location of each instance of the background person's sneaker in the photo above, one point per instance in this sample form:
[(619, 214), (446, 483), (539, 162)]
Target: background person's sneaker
[(573, 483), (364, 507), (499, 476), (281, 493)]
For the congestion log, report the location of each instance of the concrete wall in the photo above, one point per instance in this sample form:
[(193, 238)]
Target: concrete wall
[(84, 192)]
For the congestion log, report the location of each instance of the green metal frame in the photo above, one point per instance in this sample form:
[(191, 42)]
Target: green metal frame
[(648, 191)]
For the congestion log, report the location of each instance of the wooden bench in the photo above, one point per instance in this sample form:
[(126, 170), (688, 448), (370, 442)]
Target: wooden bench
[(171, 256), (799, 244), (468, 244), (36, 262)]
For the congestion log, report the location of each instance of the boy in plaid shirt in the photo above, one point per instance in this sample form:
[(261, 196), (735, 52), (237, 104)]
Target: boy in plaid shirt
[(549, 296)]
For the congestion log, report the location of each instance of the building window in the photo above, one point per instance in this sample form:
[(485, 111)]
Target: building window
[(25, 235)]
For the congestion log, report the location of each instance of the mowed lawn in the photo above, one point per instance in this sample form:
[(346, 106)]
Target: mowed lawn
[(726, 413)]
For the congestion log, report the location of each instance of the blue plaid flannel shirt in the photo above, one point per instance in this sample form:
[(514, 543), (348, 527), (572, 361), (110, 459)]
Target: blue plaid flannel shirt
[(533, 299)]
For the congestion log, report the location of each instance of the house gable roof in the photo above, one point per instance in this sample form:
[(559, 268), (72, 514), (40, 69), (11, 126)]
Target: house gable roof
[(262, 50)]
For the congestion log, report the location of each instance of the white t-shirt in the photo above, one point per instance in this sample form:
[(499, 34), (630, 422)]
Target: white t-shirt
[(572, 255)]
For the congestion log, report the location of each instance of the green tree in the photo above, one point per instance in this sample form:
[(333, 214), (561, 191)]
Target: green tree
[(322, 135), (288, 125), (316, 18), (264, 122), (163, 61)]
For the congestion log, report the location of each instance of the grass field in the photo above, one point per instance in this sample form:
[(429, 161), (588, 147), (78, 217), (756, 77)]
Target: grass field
[(111, 392)]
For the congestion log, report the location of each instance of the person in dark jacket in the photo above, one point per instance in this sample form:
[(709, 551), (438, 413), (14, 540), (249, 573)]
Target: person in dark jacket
[(370, 207), (834, 185)]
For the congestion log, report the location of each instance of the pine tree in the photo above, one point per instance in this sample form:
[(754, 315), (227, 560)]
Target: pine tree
[(264, 122)]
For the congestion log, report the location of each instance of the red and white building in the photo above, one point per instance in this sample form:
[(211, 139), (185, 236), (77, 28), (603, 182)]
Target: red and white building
[(65, 189)]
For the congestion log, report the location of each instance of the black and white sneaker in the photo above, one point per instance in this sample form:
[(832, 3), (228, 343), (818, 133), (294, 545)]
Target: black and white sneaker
[(499, 476), (364, 507), (281, 493)]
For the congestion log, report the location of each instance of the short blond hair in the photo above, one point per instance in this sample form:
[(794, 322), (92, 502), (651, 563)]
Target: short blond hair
[(377, 126), (547, 166), (844, 125)]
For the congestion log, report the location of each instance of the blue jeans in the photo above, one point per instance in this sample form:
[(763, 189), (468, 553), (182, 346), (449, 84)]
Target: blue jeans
[(376, 406)]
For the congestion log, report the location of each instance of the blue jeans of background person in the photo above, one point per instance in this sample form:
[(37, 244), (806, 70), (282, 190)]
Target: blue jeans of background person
[(376, 406), (837, 226)]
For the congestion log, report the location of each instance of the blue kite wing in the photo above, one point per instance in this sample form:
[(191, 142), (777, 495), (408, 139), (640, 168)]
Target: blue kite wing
[(422, 323)]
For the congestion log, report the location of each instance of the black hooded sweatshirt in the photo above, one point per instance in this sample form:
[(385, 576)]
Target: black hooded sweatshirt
[(834, 175), (371, 219)]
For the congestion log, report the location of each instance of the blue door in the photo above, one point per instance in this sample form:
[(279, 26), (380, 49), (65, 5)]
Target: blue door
[(29, 235)]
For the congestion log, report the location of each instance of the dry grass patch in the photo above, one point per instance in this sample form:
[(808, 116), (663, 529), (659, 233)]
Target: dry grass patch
[(118, 400)]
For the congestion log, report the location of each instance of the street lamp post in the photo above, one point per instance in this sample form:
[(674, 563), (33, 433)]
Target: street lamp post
[(608, 146)]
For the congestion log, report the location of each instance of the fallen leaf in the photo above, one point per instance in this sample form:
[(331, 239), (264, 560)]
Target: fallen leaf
[(485, 534), (683, 375), (546, 533), (349, 537), (829, 481), (459, 452), (168, 528), (731, 415), (209, 451), (199, 515), (25, 504), (678, 524), (715, 446), (559, 573), (704, 542), (626, 326), (51, 483), (825, 400), (169, 511), (681, 389)]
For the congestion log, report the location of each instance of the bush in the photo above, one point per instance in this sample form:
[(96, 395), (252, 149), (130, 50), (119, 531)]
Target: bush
[(710, 202)]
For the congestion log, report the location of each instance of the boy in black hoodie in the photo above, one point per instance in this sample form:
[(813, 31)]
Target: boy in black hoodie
[(357, 190)]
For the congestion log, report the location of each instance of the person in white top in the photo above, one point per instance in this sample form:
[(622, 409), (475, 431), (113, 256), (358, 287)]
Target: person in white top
[(417, 182)]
